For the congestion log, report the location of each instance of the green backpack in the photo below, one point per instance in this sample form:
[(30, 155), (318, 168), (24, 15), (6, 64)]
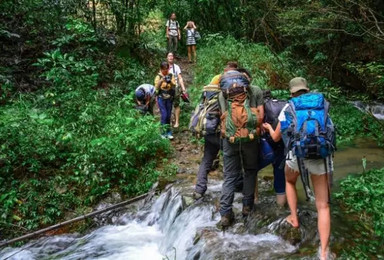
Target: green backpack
[(206, 118), (240, 121)]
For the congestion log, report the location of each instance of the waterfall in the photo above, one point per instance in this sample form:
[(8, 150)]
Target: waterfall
[(169, 228), (377, 109)]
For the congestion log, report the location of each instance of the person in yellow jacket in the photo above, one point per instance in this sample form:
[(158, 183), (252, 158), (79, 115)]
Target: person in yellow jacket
[(165, 84)]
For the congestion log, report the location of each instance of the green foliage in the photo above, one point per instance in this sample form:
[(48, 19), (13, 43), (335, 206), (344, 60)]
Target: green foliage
[(355, 124), (267, 69), (77, 138), (362, 195), (372, 74)]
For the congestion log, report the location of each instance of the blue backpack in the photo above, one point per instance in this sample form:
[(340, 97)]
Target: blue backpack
[(310, 133), (310, 130)]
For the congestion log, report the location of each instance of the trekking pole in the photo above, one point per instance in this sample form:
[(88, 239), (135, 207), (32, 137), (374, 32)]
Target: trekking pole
[(303, 178), (92, 214)]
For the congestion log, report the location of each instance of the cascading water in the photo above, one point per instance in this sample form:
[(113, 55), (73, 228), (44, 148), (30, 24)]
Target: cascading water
[(171, 228), (377, 109)]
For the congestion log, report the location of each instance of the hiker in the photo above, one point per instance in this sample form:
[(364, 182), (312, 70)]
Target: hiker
[(207, 124), (180, 88), (308, 134), (240, 130), (172, 33), (165, 84), (190, 27), (271, 137), (145, 98)]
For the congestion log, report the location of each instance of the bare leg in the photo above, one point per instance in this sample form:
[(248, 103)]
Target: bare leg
[(177, 116), (290, 189), (320, 186), (194, 52), (189, 53), (281, 199)]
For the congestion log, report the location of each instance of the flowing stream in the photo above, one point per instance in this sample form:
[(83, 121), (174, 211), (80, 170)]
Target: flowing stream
[(377, 109), (171, 225), (168, 227)]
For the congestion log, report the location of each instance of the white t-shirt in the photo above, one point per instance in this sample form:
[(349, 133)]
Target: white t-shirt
[(175, 70), (173, 27), (148, 88), (282, 113)]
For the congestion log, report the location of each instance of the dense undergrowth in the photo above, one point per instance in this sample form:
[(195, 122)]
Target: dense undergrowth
[(77, 138), (362, 196)]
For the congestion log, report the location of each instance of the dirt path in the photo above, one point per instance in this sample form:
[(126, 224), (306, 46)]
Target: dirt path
[(188, 155)]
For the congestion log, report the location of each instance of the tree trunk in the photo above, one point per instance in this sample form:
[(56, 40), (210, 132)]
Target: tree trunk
[(94, 15)]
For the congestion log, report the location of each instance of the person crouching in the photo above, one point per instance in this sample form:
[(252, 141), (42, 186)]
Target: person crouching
[(145, 98)]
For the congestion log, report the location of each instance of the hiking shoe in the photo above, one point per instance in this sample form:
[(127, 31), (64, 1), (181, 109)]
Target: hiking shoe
[(247, 210), (197, 195), (170, 136), (227, 220)]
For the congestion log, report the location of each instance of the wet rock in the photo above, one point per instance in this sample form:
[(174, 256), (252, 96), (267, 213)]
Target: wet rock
[(290, 234), (239, 228), (188, 201)]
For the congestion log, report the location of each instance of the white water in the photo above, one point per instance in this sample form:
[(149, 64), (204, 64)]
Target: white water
[(167, 229), (377, 109)]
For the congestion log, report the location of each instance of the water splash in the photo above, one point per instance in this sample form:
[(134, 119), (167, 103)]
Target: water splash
[(168, 227)]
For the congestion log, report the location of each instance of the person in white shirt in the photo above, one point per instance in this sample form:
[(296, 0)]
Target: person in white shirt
[(145, 98), (180, 87), (172, 33)]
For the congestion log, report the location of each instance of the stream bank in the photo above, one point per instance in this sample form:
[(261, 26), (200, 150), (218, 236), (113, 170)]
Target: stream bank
[(171, 225)]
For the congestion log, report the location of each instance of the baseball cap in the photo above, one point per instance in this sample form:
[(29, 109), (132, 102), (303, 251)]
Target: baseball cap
[(297, 84), (140, 94)]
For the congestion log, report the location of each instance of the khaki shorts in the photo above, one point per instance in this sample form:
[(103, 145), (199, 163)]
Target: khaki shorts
[(314, 166)]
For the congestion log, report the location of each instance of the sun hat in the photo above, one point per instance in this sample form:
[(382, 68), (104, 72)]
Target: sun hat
[(297, 84)]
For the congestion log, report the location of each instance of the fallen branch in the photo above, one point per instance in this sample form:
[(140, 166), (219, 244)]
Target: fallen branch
[(89, 215)]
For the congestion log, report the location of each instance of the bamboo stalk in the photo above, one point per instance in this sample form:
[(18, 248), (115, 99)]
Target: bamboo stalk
[(94, 213)]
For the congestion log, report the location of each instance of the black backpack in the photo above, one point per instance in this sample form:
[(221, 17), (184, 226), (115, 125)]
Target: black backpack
[(272, 109)]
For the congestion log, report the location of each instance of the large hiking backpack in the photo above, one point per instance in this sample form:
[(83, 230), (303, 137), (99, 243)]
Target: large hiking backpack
[(233, 83), (239, 121), (206, 117), (311, 133)]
